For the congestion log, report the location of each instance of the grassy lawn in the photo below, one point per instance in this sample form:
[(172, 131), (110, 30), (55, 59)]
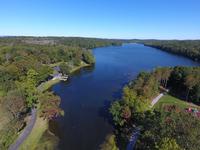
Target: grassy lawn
[(170, 100), (48, 84)]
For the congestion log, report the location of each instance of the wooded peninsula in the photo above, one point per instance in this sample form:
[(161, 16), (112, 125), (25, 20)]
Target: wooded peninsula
[(172, 123), (187, 48)]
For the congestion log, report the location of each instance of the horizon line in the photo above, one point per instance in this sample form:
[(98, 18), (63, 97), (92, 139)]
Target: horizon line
[(91, 37)]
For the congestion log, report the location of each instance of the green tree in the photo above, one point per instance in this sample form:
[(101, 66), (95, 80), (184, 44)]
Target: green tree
[(116, 111), (88, 57), (168, 144), (129, 97), (6, 80), (109, 143), (43, 73), (65, 69), (28, 85), (136, 103), (190, 82)]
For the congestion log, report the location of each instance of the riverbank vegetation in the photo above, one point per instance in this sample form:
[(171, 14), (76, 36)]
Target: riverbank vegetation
[(169, 126), (28, 62), (109, 143)]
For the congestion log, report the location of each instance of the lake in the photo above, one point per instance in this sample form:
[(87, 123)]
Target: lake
[(86, 96)]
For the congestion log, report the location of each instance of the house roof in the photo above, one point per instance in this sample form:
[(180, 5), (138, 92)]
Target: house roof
[(57, 75), (57, 68)]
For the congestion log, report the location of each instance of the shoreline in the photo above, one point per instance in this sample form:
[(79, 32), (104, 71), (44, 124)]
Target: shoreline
[(48, 84), (41, 125)]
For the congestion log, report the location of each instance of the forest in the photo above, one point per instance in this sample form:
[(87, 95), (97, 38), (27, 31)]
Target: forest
[(187, 48), (26, 63), (171, 127)]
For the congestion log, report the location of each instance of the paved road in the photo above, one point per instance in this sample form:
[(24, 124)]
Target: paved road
[(155, 100), (25, 132), (136, 133)]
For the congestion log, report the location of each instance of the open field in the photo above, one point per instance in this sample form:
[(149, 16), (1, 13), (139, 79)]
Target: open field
[(170, 100)]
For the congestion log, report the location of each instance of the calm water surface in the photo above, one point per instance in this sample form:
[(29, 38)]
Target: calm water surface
[(86, 96)]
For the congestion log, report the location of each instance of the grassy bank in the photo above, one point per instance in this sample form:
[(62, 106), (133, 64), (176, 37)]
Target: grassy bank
[(41, 126), (48, 84), (79, 67)]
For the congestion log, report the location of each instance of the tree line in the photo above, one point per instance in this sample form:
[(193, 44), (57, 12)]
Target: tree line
[(188, 48), (87, 43)]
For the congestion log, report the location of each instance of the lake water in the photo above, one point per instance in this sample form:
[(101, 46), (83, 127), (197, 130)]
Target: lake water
[(88, 93)]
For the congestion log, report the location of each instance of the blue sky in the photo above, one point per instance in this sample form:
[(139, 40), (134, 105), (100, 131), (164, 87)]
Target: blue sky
[(160, 19)]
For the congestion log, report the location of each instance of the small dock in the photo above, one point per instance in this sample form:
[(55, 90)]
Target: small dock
[(61, 77), (64, 78)]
